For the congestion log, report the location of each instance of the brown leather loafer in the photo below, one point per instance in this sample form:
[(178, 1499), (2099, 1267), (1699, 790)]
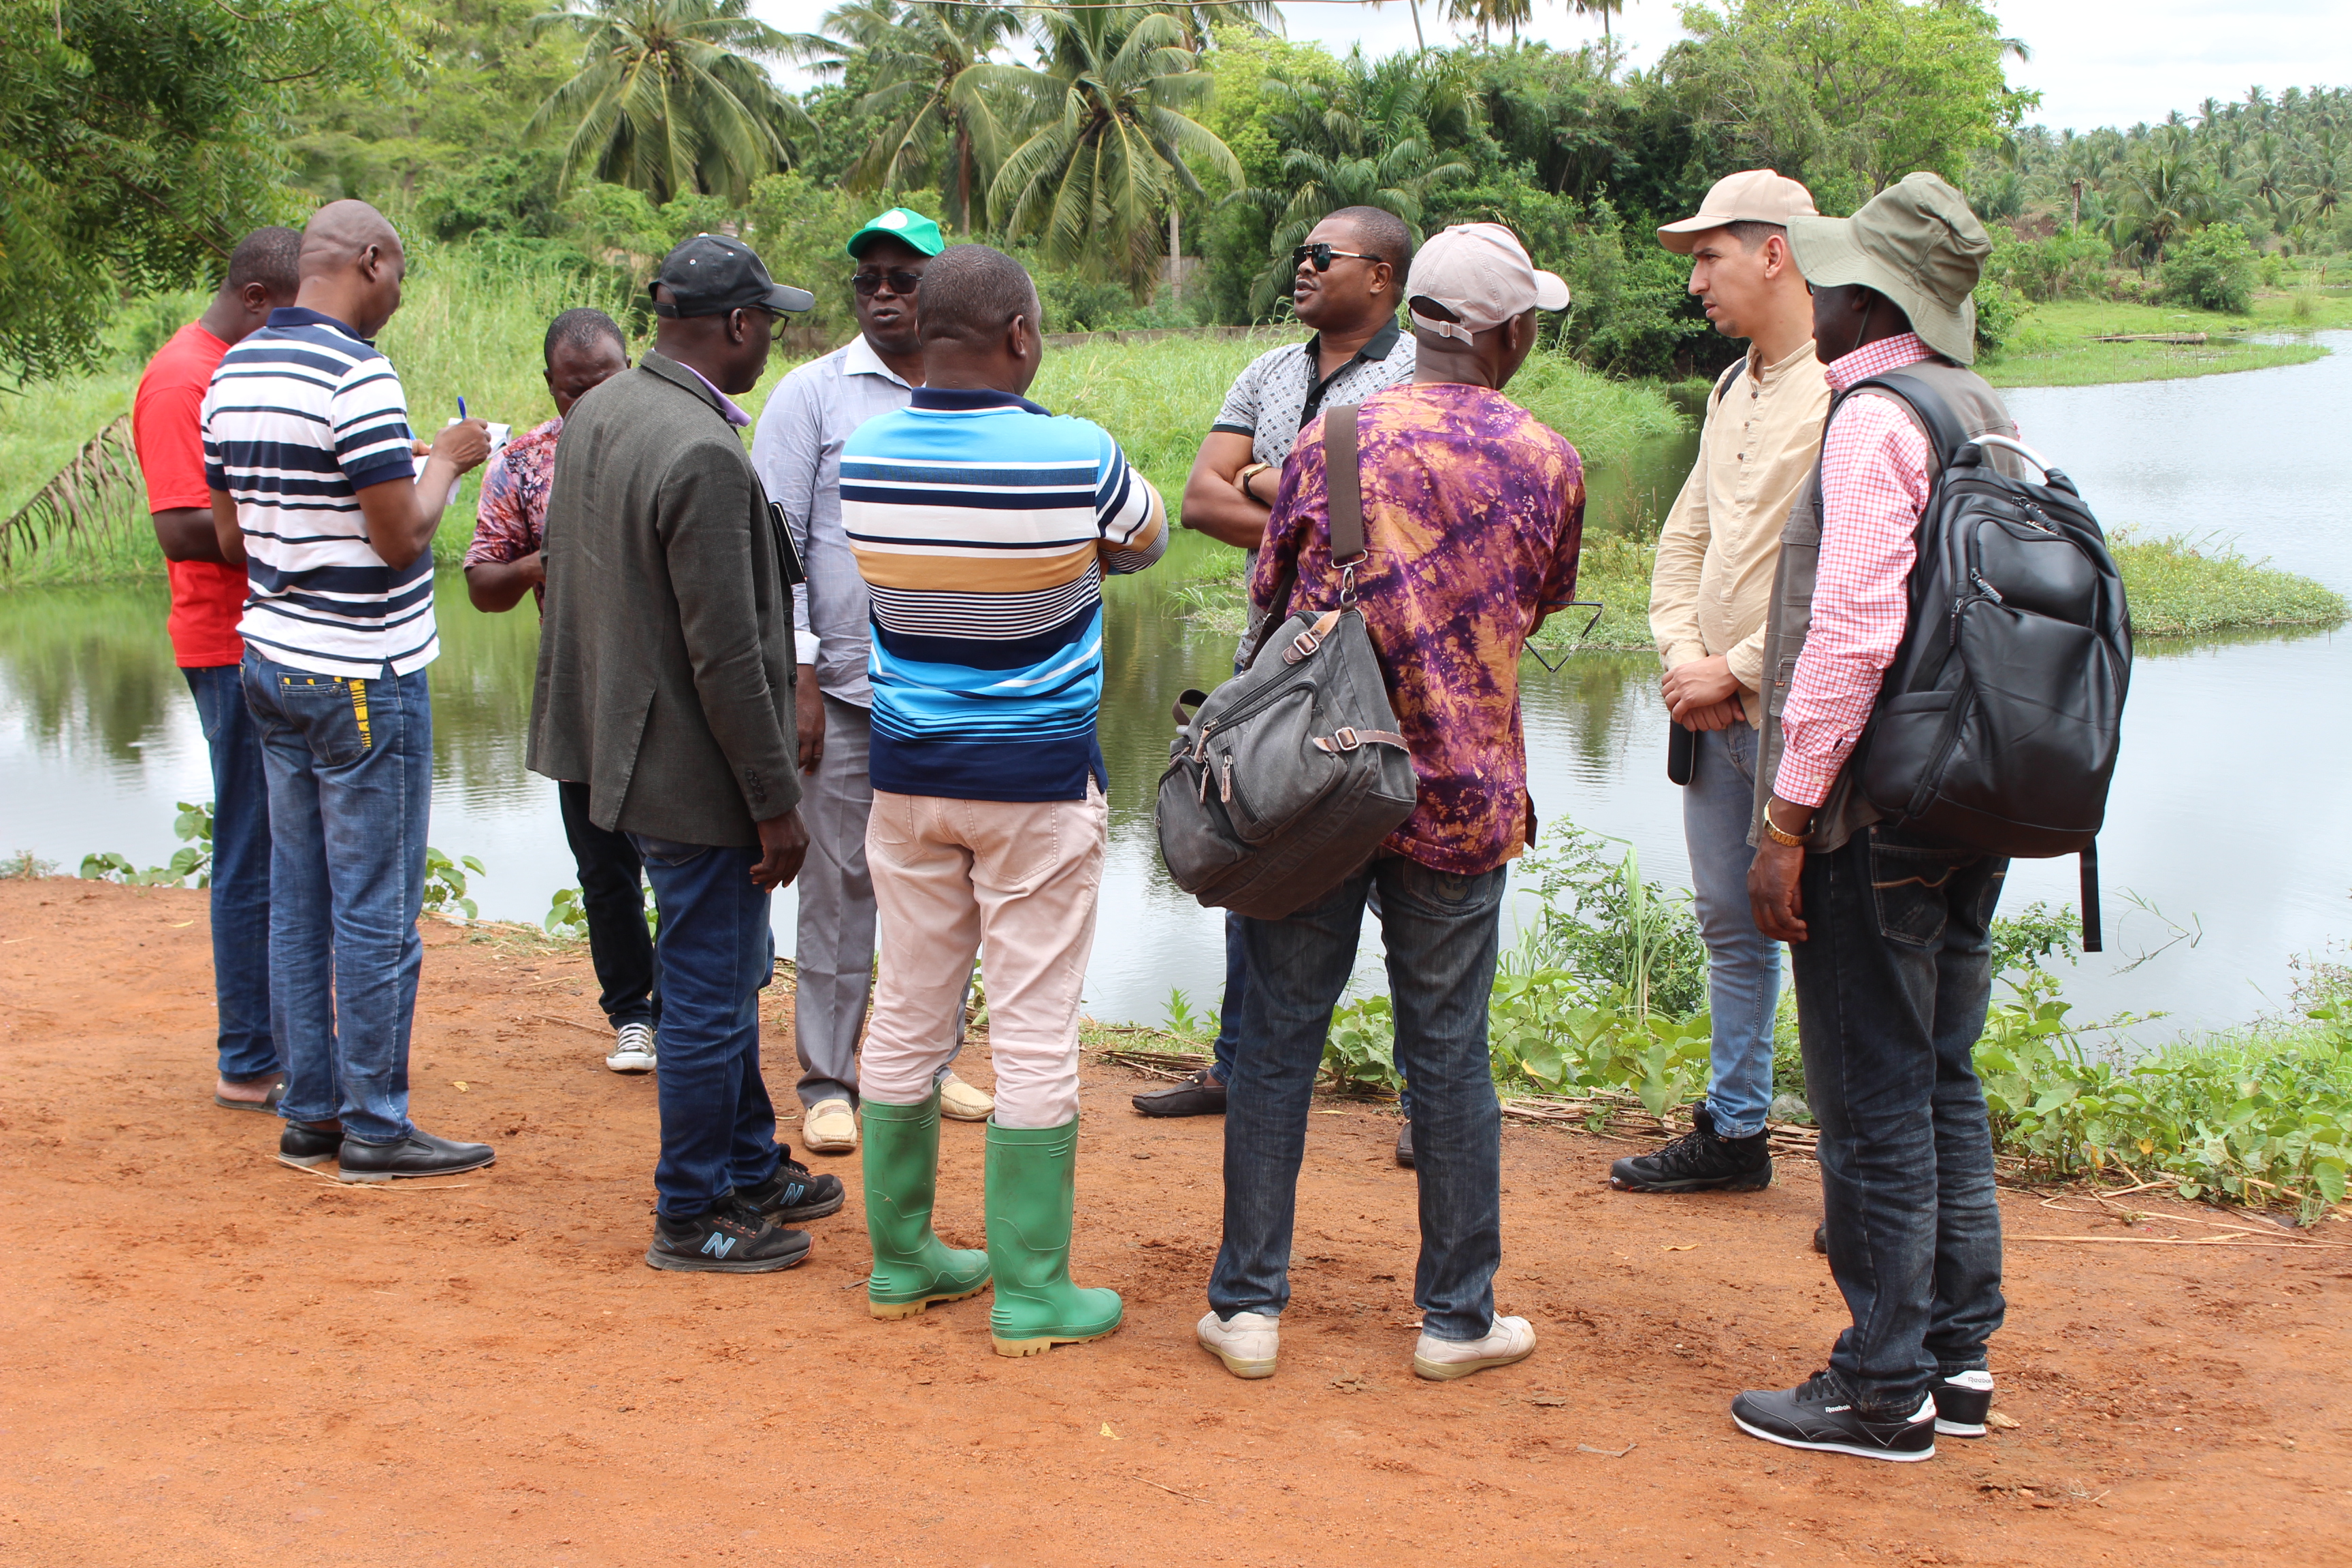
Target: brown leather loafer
[(1198, 1095)]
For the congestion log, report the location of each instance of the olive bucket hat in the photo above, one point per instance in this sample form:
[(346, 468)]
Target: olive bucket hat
[(1915, 242)]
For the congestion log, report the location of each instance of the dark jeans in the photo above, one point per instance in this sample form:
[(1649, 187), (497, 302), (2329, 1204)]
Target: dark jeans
[(240, 873), (1891, 990), (1440, 933), (1229, 1016), (715, 953), (613, 899), (351, 789)]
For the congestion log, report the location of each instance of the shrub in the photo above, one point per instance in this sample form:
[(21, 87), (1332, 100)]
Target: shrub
[(2212, 269), (1999, 306), (2068, 265)]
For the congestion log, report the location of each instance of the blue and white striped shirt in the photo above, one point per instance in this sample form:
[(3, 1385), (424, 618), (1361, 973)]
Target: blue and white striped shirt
[(983, 526), (301, 416)]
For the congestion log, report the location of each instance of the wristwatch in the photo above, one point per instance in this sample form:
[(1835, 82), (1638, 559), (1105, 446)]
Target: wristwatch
[(1250, 471)]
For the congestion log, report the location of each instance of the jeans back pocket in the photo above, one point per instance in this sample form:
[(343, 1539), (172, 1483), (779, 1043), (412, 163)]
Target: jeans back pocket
[(331, 713)]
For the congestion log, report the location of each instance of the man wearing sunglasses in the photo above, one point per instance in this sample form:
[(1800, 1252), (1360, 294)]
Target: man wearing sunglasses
[(1346, 283), (797, 449)]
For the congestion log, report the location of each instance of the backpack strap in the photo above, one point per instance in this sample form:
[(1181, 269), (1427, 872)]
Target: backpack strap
[(1724, 383), (1345, 482), (1926, 406)]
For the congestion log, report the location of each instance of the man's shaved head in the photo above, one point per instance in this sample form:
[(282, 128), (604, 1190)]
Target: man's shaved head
[(339, 231), (351, 265), (970, 294)]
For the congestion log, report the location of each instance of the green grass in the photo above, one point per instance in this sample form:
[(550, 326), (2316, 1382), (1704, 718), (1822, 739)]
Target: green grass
[(2178, 587), (2052, 345)]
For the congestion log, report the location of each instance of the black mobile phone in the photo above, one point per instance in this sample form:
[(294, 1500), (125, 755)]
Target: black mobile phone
[(795, 575), (1682, 748)]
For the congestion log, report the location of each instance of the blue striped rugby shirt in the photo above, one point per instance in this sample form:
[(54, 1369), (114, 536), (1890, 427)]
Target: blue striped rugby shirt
[(982, 525), (301, 416)]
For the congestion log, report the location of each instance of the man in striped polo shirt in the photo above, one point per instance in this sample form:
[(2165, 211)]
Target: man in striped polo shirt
[(984, 525), (315, 490)]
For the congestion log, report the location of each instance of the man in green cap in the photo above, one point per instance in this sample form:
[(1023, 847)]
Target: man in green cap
[(797, 449), (1889, 928)]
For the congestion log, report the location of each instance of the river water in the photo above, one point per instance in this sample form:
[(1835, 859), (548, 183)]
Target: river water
[(2228, 850)]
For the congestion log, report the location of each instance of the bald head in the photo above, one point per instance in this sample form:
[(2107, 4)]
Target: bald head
[(351, 265)]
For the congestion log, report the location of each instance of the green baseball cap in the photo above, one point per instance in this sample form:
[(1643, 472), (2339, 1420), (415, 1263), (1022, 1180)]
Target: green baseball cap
[(905, 225)]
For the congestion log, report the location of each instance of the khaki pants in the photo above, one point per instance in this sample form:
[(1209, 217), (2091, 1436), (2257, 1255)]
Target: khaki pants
[(1015, 882)]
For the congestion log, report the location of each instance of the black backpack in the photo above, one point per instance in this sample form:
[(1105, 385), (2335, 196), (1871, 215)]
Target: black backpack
[(1997, 724)]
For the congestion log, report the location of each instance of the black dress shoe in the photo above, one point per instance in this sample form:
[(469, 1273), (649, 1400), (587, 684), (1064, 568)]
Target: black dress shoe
[(308, 1144), (793, 1192), (419, 1154), (1198, 1095), (1404, 1144)]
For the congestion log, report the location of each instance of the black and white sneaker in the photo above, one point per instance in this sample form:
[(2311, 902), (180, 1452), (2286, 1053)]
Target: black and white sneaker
[(1698, 1162), (1818, 1413), (1962, 1402), (729, 1239), (793, 1192)]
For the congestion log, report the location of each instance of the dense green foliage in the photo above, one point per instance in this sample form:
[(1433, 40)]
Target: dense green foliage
[(2212, 269)]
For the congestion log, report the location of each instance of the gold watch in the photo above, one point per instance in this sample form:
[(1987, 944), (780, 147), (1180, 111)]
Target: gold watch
[(1249, 472), (1787, 840)]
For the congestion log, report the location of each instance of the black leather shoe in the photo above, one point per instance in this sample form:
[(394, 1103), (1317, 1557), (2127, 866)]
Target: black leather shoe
[(1404, 1144), (793, 1192), (729, 1239), (1199, 1095), (1818, 1413), (420, 1155), (1821, 1238), (308, 1144)]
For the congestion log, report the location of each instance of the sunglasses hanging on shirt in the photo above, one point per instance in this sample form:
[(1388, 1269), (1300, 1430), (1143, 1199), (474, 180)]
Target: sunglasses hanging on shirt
[(1321, 255), (869, 284)]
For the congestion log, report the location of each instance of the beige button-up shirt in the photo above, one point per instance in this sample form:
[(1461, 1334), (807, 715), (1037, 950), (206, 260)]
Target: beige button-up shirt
[(1713, 580)]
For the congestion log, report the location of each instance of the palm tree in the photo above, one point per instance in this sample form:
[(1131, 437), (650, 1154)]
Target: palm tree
[(2163, 194), (1109, 140), (669, 99), (936, 129), (1488, 15)]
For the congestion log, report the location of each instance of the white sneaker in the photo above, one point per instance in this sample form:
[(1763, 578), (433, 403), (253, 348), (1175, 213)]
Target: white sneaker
[(959, 1101), (830, 1127), (1510, 1339), (635, 1051), (1246, 1342)]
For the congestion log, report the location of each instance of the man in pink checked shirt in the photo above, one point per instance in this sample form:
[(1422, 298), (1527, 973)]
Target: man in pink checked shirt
[(1889, 929)]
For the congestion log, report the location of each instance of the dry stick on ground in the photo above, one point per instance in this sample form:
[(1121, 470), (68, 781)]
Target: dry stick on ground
[(572, 1022), (1172, 1491), (2186, 1241)]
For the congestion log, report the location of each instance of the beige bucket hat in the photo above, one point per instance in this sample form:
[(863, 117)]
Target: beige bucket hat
[(1751, 196), (1915, 242)]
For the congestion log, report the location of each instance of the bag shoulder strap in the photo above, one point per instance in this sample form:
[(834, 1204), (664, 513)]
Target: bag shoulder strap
[(1345, 481), (1724, 383), (1927, 407)]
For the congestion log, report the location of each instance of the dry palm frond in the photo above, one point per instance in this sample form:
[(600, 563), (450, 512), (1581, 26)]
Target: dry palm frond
[(98, 492)]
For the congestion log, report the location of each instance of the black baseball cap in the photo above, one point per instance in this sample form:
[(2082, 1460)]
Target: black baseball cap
[(710, 275)]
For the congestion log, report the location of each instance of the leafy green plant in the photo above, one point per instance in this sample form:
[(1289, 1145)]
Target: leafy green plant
[(1360, 1052), (1600, 922), (25, 866), (445, 884), (567, 917), (1182, 1020), (2212, 269), (191, 865)]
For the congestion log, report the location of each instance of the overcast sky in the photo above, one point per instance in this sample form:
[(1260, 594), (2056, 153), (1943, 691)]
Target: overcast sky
[(2097, 62)]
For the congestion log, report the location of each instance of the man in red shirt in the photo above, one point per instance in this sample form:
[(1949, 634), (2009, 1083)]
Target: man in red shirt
[(207, 598)]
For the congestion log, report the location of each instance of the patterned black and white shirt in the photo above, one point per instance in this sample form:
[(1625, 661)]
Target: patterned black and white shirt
[(1278, 392)]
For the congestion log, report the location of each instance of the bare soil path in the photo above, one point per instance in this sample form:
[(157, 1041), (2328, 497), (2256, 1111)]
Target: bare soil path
[(215, 1359)]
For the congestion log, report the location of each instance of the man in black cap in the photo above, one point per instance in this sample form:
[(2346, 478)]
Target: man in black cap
[(665, 670)]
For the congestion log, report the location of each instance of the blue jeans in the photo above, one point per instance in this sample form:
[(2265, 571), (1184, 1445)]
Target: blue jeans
[(1229, 1016), (1891, 989), (351, 789), (240, 872), (1440, 932), (714, 956), (1743, 965)]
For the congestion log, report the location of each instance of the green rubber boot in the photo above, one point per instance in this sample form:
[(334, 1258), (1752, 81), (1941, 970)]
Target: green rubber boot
[(912, 1268), (1032, 1190)]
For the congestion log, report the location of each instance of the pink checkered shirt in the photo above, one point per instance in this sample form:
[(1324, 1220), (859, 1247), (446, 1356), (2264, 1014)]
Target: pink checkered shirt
[(1875, 475)]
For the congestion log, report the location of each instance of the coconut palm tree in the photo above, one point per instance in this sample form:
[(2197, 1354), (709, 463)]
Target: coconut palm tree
[(2163, 194), (1108, 140), (669, 97), (937, 128)]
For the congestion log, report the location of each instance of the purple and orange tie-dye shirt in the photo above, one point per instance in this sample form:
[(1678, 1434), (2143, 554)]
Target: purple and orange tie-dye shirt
[(1474, 512)]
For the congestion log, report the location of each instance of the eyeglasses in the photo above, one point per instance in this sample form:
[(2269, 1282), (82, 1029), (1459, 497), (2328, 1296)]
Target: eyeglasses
[(902, 282), (1321, 256)]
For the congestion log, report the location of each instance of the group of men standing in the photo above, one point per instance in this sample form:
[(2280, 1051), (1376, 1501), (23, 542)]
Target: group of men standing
[(867, 653)]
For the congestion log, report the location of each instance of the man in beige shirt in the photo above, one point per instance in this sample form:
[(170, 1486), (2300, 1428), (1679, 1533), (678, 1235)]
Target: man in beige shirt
[(1707, 600)]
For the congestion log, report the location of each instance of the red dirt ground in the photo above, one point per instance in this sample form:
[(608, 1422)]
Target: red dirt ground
[(219, 1359)]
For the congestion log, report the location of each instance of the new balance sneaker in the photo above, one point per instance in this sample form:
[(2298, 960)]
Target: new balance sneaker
[(1818, 1413), (1510, 1339), (633, 1050), (1962, 1402), (1247, 1342), (729, 1239), (308, 1144), (1698, 1162), (793, 1192)]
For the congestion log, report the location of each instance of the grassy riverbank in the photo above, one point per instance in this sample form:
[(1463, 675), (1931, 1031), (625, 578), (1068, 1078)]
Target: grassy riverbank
[(2056, 345)]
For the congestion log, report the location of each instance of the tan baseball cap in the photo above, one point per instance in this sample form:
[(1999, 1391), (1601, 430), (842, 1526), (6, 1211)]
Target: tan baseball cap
[(1482, 273), (1751, 196)]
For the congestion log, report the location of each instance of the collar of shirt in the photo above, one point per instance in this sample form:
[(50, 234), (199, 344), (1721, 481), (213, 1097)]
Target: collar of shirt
[(303, 316), (1376, 347), (971, 400), (1877, 359), (859, 359), (727, 409), (1766, 374)]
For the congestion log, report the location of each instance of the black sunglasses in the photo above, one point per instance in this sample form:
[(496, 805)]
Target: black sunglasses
[(902, 282), (1321, 256)]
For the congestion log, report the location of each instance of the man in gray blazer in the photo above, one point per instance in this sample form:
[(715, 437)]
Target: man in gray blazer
[(664, 684)]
